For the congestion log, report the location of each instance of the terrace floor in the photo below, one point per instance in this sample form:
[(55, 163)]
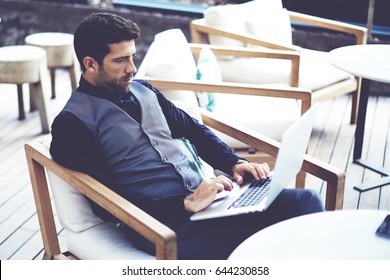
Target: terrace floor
[(332, 141)]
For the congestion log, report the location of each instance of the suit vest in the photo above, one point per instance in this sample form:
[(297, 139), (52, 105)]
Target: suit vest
[(141, 157)]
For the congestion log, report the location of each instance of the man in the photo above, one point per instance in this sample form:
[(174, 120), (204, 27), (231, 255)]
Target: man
[(127, 135)]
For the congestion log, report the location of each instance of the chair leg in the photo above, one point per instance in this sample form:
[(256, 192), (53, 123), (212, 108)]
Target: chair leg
[(73, 76), (355, 101), (354, 107), (33, 102), (53, 82), (300, 180), (22, 115), (37, 95)]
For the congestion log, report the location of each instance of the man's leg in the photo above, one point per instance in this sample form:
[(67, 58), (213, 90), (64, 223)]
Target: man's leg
[(217, 238), (292, 203)]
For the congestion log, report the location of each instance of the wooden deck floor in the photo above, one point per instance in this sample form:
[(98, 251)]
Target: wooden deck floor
[(332, 141)]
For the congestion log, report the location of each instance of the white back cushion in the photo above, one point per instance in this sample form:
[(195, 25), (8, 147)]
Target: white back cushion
[(265, 19), (172, 59), (208, 70), (73, 209)]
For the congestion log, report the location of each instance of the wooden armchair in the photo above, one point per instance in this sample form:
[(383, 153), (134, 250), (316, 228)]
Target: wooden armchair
[(42, 167), (265, 26), (82, 228)]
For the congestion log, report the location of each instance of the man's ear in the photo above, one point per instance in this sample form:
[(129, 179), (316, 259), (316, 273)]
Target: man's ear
[(90, 64)]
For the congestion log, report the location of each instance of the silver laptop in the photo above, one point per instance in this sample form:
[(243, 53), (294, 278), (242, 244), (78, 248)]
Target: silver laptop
[(258, 196)]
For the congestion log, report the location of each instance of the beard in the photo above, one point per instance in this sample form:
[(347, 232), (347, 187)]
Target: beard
[(114, 85)]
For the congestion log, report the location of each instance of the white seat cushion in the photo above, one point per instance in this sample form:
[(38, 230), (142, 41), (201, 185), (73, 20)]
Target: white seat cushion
[(268, 116), (105, 241), (315, 70)]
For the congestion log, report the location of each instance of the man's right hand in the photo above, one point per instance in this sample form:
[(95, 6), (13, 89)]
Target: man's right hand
[(205, 193)]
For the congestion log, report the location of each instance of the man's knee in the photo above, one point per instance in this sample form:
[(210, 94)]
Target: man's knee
[(311, 200), (301, 201)]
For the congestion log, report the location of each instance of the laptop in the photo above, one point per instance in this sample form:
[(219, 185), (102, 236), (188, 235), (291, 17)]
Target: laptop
[(257, 196)]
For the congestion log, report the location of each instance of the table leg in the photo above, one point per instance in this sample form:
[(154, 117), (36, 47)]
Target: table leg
[(359, 137), (361, 120), (73, 76)]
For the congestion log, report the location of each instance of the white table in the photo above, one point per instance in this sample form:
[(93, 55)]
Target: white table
[(336, 235), (372, 63)]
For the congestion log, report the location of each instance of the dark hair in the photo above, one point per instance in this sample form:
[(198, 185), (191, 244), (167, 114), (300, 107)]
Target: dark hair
[(98, 30)]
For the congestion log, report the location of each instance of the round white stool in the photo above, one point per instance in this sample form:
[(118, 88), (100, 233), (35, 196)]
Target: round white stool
[(60, 54), (25, 64)]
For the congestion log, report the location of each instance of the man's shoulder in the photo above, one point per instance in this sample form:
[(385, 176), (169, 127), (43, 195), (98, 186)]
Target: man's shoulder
[(66, 119), (147, 85)]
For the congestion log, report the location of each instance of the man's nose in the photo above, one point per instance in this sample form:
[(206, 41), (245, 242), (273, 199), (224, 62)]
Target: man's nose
[(131, 68)]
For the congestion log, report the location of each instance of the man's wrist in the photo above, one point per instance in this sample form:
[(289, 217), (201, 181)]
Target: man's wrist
[(239, 161), (188, 204)]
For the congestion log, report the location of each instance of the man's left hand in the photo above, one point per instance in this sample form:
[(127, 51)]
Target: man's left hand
[(258, 171)]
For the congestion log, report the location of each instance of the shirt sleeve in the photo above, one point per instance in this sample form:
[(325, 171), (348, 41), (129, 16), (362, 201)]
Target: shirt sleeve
[(74, 146), (210, 148)]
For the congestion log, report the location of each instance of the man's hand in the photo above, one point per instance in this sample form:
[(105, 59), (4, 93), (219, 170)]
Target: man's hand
[(205, 193), (258, 171)]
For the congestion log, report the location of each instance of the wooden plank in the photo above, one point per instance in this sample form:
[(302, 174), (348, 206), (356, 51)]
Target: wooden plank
[(14, 221), (376, 145), (14, 203), (326, 134), (342, 146), (33, 247), (29, 250), (14, 242)]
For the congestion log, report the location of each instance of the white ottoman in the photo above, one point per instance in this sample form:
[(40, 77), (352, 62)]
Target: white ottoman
[(25, 64), (60, 54)]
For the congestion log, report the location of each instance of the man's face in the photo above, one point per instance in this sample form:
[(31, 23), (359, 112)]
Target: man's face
[(117, 69)]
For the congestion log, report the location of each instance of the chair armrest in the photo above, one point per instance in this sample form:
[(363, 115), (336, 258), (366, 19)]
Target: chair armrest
[(358, 31), (199, 27), (334, 177), (293, 56), (235, 88), (39, 159)]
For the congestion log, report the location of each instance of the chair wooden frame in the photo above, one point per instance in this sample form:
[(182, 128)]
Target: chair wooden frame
[(39, 161), (200, 32)]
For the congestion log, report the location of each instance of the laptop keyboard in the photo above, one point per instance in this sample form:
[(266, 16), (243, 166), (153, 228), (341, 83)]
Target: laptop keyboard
[(255, 193)]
